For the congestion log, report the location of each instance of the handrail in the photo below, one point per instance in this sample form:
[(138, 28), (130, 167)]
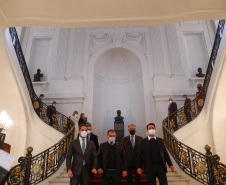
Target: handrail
[(60, 121), (206, 169), (32, 170)]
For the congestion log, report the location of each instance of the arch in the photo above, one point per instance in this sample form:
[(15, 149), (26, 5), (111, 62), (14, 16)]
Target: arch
[(148, 98)]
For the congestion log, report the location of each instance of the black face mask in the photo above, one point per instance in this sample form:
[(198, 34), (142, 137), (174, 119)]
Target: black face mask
[(132, 132)]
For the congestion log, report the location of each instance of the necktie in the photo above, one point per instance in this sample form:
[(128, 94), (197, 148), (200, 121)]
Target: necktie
[(132, 141), (83, 150)]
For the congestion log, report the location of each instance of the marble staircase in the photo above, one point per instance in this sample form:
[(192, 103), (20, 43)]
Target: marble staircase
[(174, 178)]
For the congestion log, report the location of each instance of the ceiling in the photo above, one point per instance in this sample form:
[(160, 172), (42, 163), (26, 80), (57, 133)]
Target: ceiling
[(99, 13)]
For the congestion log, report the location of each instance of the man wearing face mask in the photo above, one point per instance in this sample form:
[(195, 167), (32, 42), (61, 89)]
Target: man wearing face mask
[(187, 108), (155, 156), (84, 156), (91, 136), (200, 97), (111, 160), (172, 108), (51, 110), (131, 145)]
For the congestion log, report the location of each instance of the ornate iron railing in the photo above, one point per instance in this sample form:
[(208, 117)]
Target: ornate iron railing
[(32, 170), (204, 168), (60, 121)]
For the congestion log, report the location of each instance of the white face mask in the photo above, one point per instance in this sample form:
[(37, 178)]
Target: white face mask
[(76, 115), (88, 132), (171, 101), (111, 139), (83, 134), (151, 132)]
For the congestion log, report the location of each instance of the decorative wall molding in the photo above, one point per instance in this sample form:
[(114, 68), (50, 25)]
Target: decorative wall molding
[(189, 23), (134, 39), (99, 40), (175, 95)]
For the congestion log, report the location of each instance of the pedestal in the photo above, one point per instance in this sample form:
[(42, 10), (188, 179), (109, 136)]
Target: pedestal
[(119, 129)]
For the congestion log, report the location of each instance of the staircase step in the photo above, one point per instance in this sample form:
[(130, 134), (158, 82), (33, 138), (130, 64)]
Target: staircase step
[(177, 180), (173, 179)]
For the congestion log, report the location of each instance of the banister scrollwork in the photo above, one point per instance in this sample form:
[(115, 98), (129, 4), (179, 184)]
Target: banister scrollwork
[(206, 169)]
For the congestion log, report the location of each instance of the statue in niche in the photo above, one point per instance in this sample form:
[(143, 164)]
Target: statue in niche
[(119, 117), (200, 74), (38, 76)]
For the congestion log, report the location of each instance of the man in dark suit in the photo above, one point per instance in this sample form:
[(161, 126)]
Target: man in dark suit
[(39, 109), (84, 156), (153, 153), (111, 160), (172, 108), (51, 112), (187, 108), (91, 136), (131, 145)]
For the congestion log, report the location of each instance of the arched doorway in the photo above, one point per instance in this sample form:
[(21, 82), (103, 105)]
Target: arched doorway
[(118, 84)]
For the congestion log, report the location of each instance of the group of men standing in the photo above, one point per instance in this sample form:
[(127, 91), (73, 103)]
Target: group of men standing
[(172, 111), (115, 160)]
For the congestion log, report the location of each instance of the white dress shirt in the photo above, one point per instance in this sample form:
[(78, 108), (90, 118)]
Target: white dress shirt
[(112, 143), (151, 137)]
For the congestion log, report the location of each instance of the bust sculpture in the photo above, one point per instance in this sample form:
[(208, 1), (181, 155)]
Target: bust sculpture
[(200, 74), (119, 117), (38, 76)]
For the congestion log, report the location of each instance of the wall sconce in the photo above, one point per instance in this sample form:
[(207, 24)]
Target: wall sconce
[(5, 121)]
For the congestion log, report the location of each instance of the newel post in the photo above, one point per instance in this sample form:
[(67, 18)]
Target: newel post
[(28, 165)]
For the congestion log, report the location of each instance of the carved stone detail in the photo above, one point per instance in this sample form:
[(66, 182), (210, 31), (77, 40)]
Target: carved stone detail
[(98, 41), (136, 40)]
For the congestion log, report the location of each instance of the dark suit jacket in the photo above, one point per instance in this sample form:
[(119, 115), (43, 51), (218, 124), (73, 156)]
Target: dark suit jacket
[(187, 105), (50, 111), (172, 108), (120, 157), (144, 153), (131, 153), (75, 150), (94, 138)]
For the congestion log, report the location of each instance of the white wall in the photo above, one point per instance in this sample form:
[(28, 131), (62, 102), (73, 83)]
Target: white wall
[(169, 56)]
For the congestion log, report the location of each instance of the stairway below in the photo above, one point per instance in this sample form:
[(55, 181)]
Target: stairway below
[(173, 179)]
